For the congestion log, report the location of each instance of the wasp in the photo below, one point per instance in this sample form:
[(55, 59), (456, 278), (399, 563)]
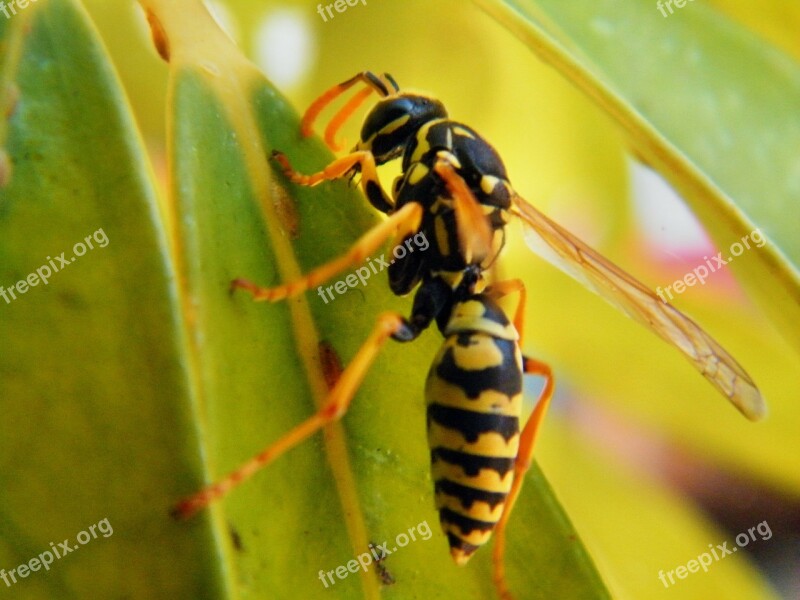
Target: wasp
[(454, 189)]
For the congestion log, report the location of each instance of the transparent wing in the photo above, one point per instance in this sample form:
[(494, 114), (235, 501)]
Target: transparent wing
[(565, 251)]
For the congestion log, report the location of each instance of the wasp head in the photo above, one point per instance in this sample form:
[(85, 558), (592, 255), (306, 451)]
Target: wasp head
[(394, 121)]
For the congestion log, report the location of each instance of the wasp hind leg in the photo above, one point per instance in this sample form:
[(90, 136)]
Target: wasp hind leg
[(527, 437), (335, 406), (523, 463)]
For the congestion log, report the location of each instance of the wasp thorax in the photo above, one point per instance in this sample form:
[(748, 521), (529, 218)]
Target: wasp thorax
[(393, 122)]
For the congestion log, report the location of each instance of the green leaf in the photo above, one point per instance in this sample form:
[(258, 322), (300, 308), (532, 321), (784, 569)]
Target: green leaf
[(134, 377), (258, 366), (703, 101), (93, 381)]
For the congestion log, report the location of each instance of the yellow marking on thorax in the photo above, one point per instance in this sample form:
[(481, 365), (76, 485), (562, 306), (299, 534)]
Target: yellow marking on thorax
[(417, 173), (458, 130), (488, 183), (422, 142)]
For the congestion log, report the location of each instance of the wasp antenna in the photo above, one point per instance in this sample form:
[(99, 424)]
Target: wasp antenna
[(391, 80), (371, 79)]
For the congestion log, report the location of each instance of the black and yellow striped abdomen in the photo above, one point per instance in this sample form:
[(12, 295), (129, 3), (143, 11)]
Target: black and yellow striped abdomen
[(474, 394)]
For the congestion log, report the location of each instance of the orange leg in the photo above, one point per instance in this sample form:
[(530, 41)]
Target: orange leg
[(340, 168), (523, 463), (372, 81), (335, 406), (404, 221), (340, 117), (509, 286), (528, 436)]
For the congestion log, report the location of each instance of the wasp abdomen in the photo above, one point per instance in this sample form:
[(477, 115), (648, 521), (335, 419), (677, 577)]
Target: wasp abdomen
[(474, 393)]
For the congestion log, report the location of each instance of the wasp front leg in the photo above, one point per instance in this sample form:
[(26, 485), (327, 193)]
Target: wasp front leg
[(361, 161)]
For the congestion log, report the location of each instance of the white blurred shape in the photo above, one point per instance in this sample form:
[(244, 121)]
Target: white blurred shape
[(663, 217), (284, 46)]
